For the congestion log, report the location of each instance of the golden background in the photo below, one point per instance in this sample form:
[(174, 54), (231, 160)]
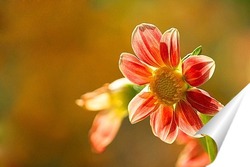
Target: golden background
[(51, 52)]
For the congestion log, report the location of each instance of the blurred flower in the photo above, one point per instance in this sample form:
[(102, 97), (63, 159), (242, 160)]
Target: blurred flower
[(170, 96), (112, 101), (193, 154)]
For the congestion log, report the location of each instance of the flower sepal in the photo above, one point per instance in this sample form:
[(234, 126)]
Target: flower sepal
[(197, 51)]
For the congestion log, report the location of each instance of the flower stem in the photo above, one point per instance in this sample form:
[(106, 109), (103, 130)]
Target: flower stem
[(211, 148), (209, 143)]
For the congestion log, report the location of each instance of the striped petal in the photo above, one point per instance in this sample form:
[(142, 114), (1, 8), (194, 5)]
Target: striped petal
[(170, 48), (141, 106), (104, 129), (163, 124), (203, 102), (187, 119), (198, 69), (133, 69), (172, 135), (146, 44)]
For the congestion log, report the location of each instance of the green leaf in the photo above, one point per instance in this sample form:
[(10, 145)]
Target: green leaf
[(197, 51)]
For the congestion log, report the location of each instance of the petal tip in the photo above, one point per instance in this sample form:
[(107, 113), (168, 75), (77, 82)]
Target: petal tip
[(132, 120), (79, 102), (144, 26)]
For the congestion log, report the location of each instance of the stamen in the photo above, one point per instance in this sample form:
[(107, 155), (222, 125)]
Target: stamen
[(167, 86)]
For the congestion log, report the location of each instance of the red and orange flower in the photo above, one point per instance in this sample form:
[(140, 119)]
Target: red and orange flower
[(193, 154), (111, 100), (170, 96)]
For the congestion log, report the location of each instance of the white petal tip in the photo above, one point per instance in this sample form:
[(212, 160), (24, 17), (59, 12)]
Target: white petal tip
[(79, 102)]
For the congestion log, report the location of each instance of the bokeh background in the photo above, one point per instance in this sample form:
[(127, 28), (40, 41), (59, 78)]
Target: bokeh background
[(51, 52)]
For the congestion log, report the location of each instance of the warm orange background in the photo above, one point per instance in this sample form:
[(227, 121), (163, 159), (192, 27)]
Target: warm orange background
[(51, 52)]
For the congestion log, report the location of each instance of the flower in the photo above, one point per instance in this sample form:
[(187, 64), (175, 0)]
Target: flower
[(193, 154), (170, 96), (111, 100)]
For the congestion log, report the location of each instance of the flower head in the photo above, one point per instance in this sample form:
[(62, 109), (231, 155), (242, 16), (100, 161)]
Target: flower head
[(111, 100), (170, 97), (193, 154)]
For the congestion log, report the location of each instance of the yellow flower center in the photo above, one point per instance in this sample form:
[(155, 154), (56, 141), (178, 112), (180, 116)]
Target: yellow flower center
[(168, 85)]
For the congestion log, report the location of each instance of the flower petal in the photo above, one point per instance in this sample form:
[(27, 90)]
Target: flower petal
[(203, 102), (163, 124), (193, 154), (132, 68), (141, 106), (146, 44), (97, 100), (198, 69), (118, 84), (104, 129), (173, 132), (183, 138), (170, 47), (187, 119)]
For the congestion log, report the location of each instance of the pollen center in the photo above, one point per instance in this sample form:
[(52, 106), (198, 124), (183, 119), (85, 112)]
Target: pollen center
[(168, 86)]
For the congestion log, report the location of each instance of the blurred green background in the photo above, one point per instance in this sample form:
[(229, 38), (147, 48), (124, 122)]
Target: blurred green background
[(51, 52)]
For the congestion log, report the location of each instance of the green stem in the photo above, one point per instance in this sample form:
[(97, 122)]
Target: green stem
[(209, 143), (211, 148)]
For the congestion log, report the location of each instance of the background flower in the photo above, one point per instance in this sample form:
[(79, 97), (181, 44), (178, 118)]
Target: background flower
[(111, 100), (193, 154)]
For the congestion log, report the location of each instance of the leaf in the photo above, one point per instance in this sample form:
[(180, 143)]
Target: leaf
[(197, 51)]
